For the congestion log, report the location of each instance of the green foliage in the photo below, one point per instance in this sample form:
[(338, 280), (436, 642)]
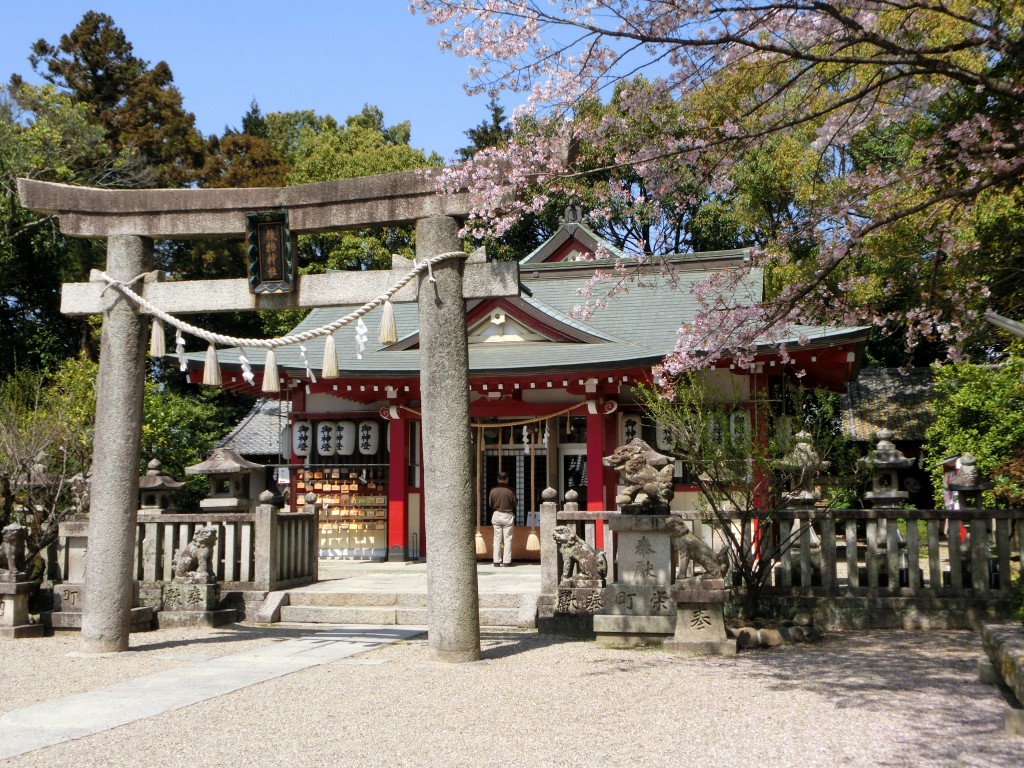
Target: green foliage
[(179, 430), (490, 133), (979, 409), (323, 150), (138, 107), (43, 135), (45, 441)]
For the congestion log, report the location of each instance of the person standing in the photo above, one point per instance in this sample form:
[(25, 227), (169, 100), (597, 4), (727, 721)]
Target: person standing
[(503, 502)]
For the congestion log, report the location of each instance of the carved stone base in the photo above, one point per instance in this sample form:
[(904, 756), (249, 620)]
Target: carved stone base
[(68, 598), (567, 626), (580, 601), (632, 630), (700, 625), (14, 621), (22, 630), (167, 618), (141, 620), (180, 596)]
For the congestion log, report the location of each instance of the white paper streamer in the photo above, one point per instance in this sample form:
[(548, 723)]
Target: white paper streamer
[(309, 371), (361, 336), (179, 348), (246, 370)]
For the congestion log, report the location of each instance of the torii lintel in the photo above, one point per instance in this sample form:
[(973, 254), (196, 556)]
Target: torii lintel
[(383, 200)]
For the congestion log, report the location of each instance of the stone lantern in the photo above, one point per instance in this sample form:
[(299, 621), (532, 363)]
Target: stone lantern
[(803, 464), (156, 490), (231, 485), (884, 463), (968, 484)]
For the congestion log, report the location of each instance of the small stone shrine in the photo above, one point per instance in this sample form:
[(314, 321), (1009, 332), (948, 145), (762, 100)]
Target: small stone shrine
[(638, 604), (969, 485), (15, 588)]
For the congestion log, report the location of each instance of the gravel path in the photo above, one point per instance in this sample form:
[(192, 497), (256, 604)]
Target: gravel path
[(856, 699)]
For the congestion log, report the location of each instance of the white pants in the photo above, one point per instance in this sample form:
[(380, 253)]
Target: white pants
[(502, 522)]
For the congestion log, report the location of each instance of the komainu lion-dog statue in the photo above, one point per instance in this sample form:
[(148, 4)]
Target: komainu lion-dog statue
[(192, 564), (692, 549), (646, 473), (590, 564)]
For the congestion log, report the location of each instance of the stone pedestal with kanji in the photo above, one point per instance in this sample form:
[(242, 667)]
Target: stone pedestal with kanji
[(638, 607), (700, 624), (193, 605), (14, 622)]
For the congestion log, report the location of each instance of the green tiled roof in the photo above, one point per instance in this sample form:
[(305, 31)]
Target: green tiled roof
[(637, 327)]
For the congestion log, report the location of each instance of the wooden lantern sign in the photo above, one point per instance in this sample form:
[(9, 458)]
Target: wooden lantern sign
[(269, 251)]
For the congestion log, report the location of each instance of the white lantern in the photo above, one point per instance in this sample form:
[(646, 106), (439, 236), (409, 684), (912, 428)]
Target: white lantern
[(345, 438), (667, 435), (369, 434), (629, 427), (302, 438), (325, 444)]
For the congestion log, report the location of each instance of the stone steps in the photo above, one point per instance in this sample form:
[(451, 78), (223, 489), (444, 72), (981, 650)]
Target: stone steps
[(399, 609)]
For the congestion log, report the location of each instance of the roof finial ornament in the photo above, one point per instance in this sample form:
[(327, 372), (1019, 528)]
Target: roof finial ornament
[(573, 215)]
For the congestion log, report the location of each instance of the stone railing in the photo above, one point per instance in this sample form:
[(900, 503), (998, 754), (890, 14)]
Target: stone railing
[(857, 567), (856, 552), (264, 550)]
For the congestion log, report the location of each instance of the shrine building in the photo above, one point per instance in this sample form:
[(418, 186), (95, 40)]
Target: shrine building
[(550, 395)]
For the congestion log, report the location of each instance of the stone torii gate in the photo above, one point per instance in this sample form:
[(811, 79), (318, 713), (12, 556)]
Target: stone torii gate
[(130, 220)]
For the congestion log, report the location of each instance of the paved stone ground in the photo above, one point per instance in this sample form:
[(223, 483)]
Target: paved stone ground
[(855, 699)]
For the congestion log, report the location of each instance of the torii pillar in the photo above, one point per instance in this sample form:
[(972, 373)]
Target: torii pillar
[(131, 219)]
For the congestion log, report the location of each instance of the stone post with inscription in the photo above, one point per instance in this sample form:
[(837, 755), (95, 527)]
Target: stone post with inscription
[(638, 605)]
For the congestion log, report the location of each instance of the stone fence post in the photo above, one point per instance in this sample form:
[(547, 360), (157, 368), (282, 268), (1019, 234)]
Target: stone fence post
[(548, 553), (265, 521)]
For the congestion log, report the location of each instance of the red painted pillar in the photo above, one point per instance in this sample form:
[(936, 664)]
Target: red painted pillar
[(398, 490)]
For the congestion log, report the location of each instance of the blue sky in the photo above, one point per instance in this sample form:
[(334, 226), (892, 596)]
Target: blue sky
[(329, 56)]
